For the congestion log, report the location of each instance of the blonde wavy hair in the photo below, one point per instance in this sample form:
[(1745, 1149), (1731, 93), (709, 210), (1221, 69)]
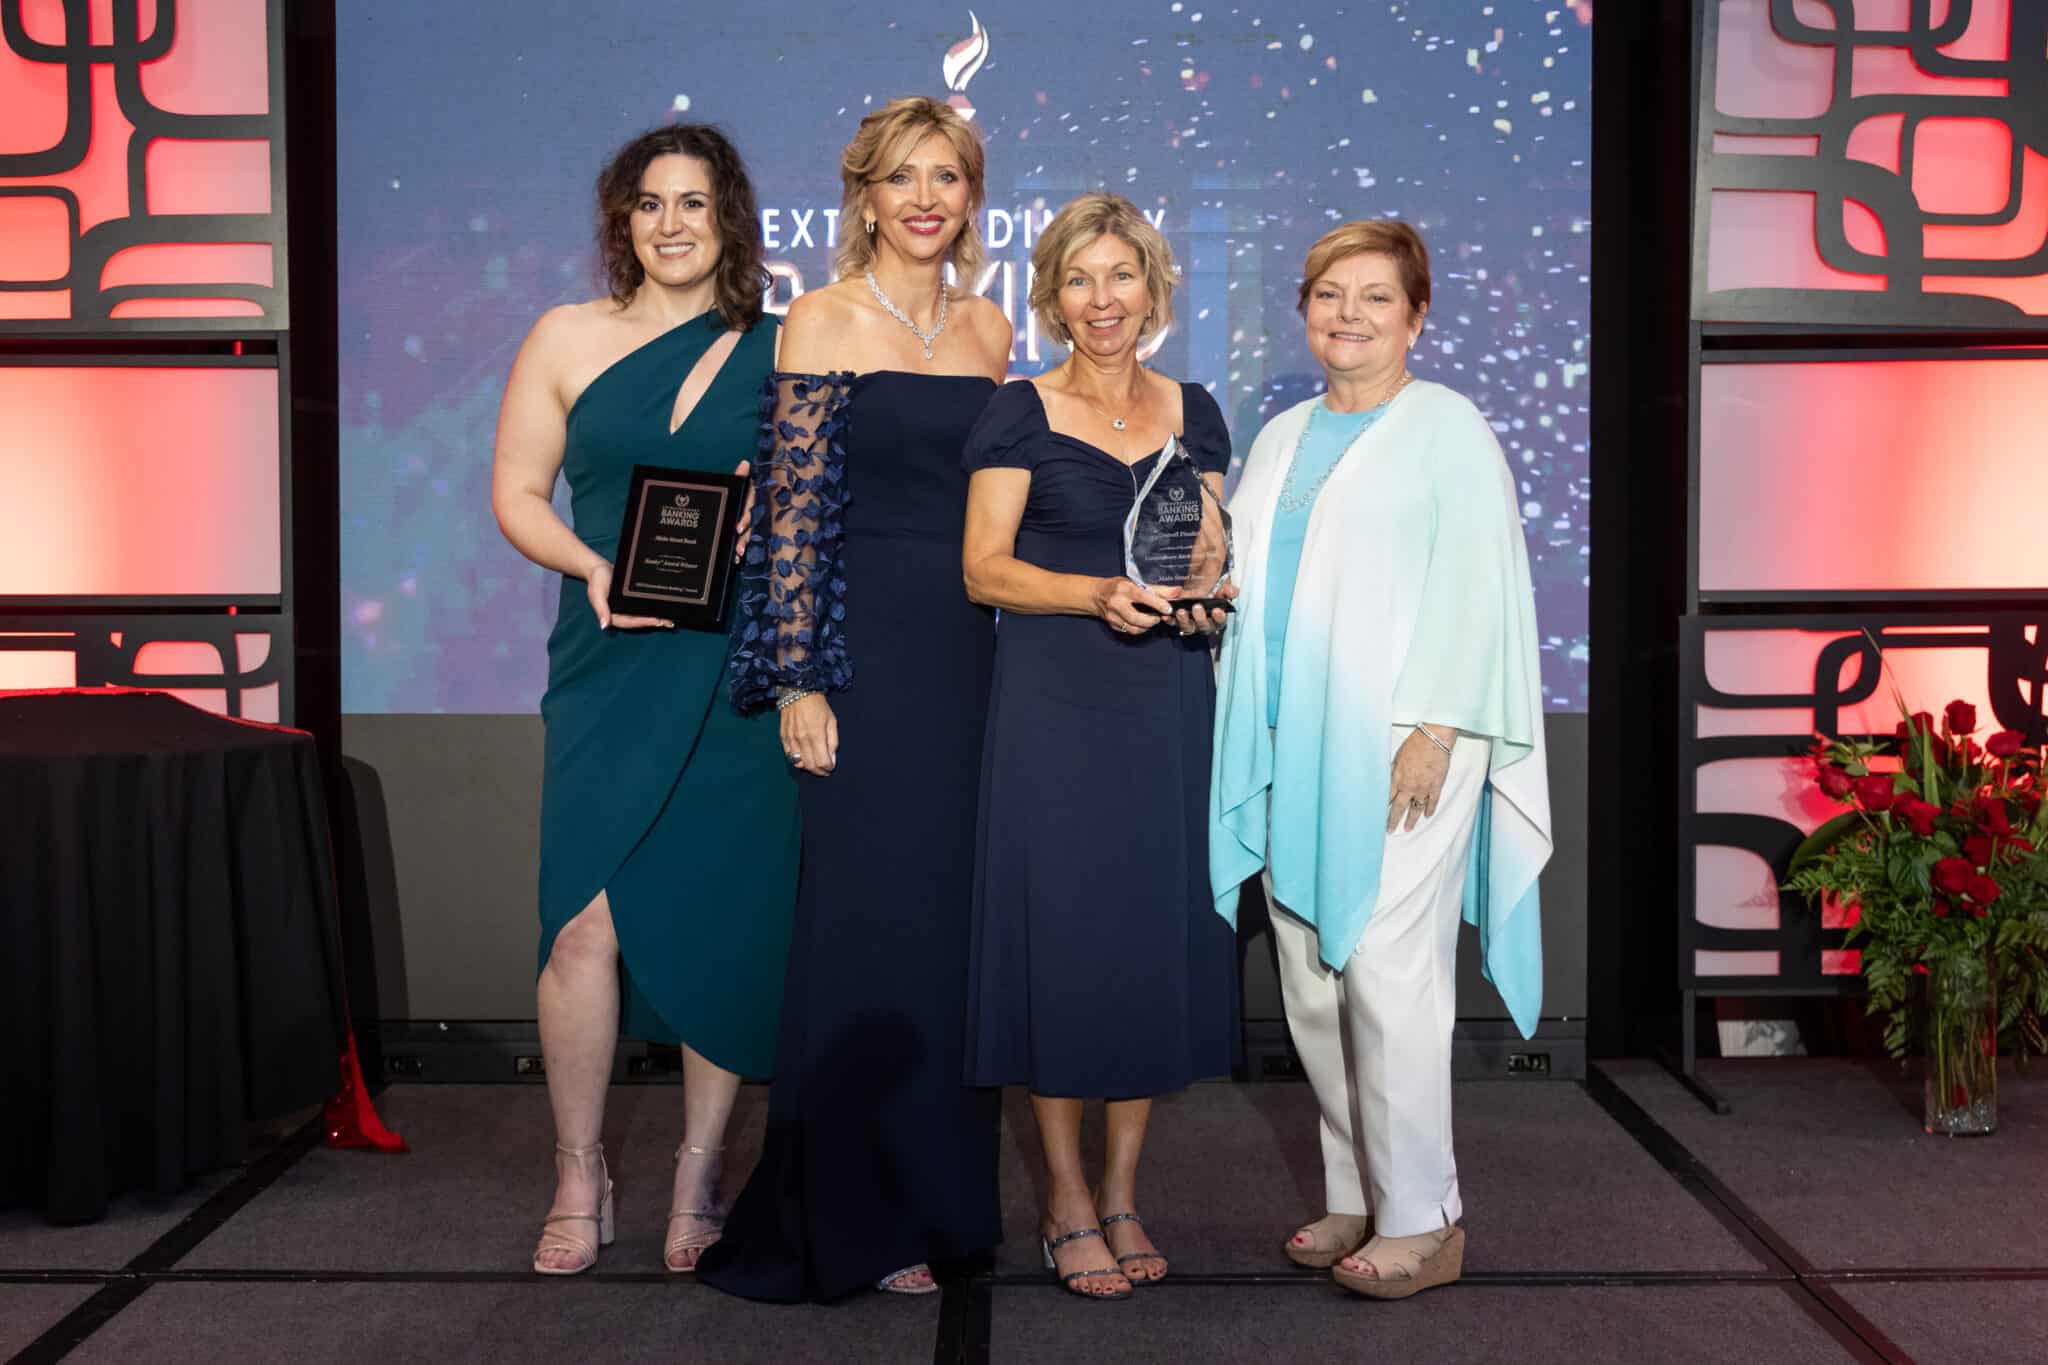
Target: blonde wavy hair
[(1078, 225), (884, 142)]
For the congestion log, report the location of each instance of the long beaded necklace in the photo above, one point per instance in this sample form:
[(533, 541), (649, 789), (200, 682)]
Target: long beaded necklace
[(924, 338), (1293, 498)]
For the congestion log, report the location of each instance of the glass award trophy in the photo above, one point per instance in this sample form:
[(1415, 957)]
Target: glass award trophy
[(1178, 535), (675, 548)]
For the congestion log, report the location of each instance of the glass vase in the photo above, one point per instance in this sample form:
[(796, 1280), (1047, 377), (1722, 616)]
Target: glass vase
[(1960, 1026)]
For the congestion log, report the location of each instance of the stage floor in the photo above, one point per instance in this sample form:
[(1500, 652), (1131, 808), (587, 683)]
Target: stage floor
[(1615, 1220)]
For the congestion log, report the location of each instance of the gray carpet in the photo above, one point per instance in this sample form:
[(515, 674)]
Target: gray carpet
[(1832, 1155), (29, 1243), (471, 1193), (1551, 1183), (572, 1321), (1977, 1323), (28, 1310), (1463, 1323)]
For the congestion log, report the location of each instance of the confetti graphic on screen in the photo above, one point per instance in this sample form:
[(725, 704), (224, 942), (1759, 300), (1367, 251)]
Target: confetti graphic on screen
[(466, 155)]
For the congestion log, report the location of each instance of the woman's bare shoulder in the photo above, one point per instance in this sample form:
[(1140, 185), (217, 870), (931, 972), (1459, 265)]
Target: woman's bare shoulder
[(817, 329)]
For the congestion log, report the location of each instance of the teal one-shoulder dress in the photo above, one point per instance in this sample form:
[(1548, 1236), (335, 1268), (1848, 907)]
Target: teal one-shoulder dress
[(655, 791)]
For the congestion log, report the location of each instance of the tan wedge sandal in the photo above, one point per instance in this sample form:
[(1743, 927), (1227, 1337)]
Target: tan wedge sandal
[(1413, 1271), (1322, 1252), (554, 1240), (703, 1237)]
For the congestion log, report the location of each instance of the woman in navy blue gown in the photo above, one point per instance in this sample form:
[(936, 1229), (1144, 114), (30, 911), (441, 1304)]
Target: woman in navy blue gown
[(1100, 968), (879, 1158)]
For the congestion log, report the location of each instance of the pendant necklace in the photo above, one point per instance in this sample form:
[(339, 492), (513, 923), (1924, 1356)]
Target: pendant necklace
[(924, 338), (1116, 424)]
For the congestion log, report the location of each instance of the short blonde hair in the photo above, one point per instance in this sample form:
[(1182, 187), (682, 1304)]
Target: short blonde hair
[(1077, 226), (883, 142), (1388, 237)]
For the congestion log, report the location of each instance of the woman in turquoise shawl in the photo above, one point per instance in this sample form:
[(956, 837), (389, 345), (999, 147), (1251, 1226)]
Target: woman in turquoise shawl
[(1379, 750)]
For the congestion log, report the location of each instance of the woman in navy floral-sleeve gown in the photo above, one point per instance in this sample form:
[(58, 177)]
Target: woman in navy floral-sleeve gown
[(879, 1158)]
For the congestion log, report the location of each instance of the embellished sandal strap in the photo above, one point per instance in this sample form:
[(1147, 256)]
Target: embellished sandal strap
[(595, 1149), (1074, 1275), (694, 1150), (1076, 1235), (1122, 1218)]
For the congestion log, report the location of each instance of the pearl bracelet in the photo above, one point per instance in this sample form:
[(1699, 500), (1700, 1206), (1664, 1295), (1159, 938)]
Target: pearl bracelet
[(1430, 735), (792, 697)]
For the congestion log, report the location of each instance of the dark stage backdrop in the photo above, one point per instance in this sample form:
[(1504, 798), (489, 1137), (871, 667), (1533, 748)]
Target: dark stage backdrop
[(467, 146)]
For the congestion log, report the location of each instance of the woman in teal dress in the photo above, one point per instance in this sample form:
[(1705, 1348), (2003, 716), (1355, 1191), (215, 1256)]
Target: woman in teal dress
[(668, 822)]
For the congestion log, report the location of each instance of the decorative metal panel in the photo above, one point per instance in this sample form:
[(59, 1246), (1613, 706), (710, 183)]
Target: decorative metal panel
[(141, 166), (1872, 162)]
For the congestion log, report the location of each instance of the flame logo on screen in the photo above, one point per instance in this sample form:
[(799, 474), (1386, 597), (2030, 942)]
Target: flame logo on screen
[(961, 61)]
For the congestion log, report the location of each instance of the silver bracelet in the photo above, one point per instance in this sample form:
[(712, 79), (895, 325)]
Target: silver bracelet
[(792, 697), (1430, 735)]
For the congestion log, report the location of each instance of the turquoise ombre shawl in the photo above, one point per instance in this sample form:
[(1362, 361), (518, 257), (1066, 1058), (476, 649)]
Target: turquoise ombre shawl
[(1413, 604)]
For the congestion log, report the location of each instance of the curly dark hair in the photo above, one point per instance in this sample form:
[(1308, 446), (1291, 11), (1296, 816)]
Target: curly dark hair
[(741, 278)]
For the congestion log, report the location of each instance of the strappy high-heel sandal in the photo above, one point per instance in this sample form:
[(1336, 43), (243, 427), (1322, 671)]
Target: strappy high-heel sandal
[(1320, 1254), (1413, 1270), (1159, 1256), (553, 1240), (892, 1283), (1049, 1247), (692, 1241)]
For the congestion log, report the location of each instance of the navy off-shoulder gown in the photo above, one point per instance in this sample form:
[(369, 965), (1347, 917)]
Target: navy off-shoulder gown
[(878, 1155)]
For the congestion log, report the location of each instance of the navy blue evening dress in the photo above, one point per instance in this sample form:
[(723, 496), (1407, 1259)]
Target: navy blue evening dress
[(1100, 967), (877, 1154)]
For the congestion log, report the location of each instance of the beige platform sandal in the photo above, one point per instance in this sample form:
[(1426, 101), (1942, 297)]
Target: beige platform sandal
[(692, 1241), (1413, 1269), (553, 1240), (1331, 1238)]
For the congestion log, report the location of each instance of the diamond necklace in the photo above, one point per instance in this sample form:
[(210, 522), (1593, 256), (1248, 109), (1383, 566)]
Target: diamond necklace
[(924, 338)]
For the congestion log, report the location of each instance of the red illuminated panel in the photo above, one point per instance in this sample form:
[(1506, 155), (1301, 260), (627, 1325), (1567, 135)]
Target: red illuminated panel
[(198, 122), (1760, 240), (1895, 476), (1852, 147), (1930, 665), (139, 482)]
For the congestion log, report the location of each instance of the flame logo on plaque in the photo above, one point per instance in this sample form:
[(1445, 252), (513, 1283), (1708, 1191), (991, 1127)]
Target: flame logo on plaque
[(961, 61)]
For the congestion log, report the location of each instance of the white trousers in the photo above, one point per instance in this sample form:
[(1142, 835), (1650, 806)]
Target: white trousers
[(1375, 1038)]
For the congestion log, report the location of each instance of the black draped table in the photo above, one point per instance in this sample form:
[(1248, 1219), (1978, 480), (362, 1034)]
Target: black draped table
[(171, 961)]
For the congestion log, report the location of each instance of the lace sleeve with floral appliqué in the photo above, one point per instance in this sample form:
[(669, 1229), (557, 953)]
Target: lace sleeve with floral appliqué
[(789, 631)]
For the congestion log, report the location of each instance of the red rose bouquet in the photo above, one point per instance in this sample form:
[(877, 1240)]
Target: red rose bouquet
[(1940, 857)]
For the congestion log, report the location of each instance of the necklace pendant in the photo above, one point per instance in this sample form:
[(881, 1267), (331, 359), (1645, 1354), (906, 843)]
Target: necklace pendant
[(1117, 423)]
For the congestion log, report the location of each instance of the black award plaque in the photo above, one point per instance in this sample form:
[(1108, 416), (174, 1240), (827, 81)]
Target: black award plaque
[(675, 549)]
